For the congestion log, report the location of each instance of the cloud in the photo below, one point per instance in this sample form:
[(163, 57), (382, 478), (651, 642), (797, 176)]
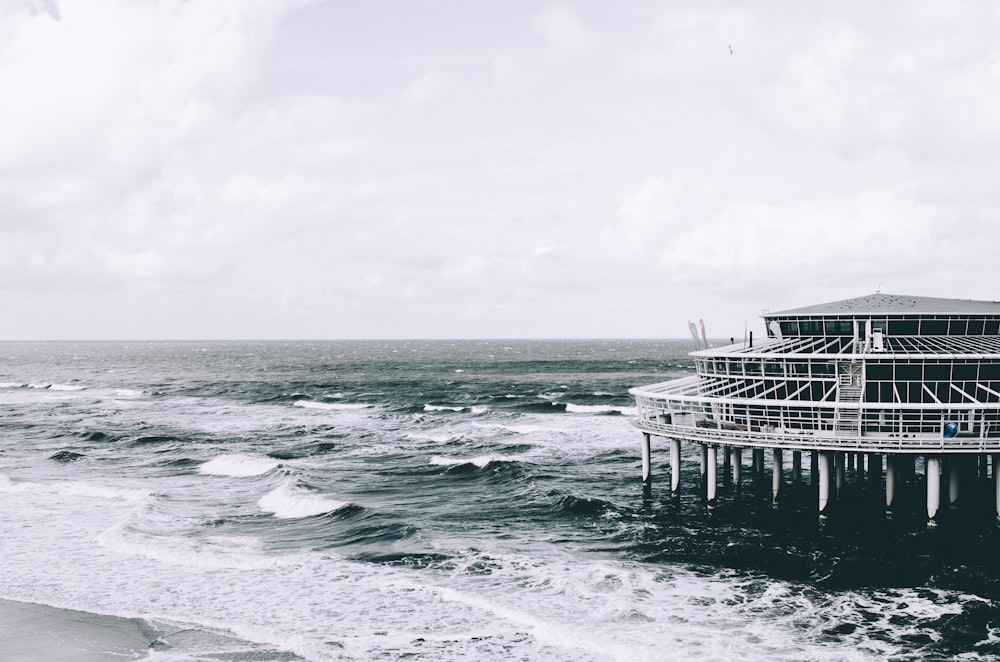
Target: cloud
[(428, 86), (563, 32)]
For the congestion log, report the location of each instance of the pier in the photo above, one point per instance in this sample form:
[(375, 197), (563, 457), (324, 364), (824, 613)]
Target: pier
[(884, 387)]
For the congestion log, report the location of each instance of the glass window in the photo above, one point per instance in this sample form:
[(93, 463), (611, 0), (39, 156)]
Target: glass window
[(989, 372), (967, 372), (991, 327), (822, 369), (789, 328), (839, 328), (903, 328), (879, 372), (811, 328), (937, 372), (975, 327), (908, 372), (934, 327), (958, 327)]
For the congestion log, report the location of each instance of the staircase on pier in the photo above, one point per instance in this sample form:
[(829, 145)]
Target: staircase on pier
[(847, 420)]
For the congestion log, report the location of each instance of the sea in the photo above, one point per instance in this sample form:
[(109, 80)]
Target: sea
[(446, 500)]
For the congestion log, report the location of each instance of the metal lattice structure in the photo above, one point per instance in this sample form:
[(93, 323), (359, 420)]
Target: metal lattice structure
[(851, 387)]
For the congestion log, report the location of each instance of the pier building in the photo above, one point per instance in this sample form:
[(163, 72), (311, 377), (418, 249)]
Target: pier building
[(884, 379)]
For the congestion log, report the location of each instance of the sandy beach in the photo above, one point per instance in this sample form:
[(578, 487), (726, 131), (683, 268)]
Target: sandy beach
[(38, 633), (33, 633)]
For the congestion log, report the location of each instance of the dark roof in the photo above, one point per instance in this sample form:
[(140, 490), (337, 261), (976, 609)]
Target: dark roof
[(895, 304)]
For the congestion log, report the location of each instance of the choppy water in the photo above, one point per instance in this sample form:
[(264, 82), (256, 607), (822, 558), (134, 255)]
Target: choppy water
[(441, 501)]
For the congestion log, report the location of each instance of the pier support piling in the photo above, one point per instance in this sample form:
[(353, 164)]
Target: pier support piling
[(645, 458), (890, 483), (824, 461), (711, 485), (874, 467), (933, 472), (954, 479), (777, 466), (703, 460), (737, 466), (796, 466), (675, 465), (996, 482), (840, 459)]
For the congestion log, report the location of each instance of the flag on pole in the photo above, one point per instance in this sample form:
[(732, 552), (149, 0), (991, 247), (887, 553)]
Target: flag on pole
[(703, 336), (694, 333)]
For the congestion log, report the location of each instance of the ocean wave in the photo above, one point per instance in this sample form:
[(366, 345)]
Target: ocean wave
[(66, 387), (290, 501), (238, 466), (65, 456), (600, 409), (481, 461), (12, 385), (99, 491), (216, 552), (310, 404), (456, 408)]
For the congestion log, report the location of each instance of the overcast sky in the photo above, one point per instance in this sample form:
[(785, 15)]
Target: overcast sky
[(462, 169)]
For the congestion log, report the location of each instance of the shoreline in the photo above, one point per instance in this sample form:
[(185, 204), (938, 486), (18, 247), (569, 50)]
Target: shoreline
[(30, 632)]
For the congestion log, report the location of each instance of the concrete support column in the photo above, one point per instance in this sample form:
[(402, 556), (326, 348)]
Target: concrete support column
[(825, 470), (933, 487), (954, 478), (797, 466), (874, 467), (839, 458), (675, 465), (711, 479), (996, 482), (645, 458), (777, 467), (737, 466), (703, 459), (890, 482)]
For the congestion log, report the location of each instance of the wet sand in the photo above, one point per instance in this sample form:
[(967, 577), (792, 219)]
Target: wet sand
[(37, 633)]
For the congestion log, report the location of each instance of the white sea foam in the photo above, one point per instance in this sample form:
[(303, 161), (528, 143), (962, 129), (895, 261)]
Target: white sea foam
[(215, 552), (480, 461), (12, 385), (442, 408), (289, 501), (238, 466), (309, 404), (66, 387), (8, 485), (599, 409), (95, 490)]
